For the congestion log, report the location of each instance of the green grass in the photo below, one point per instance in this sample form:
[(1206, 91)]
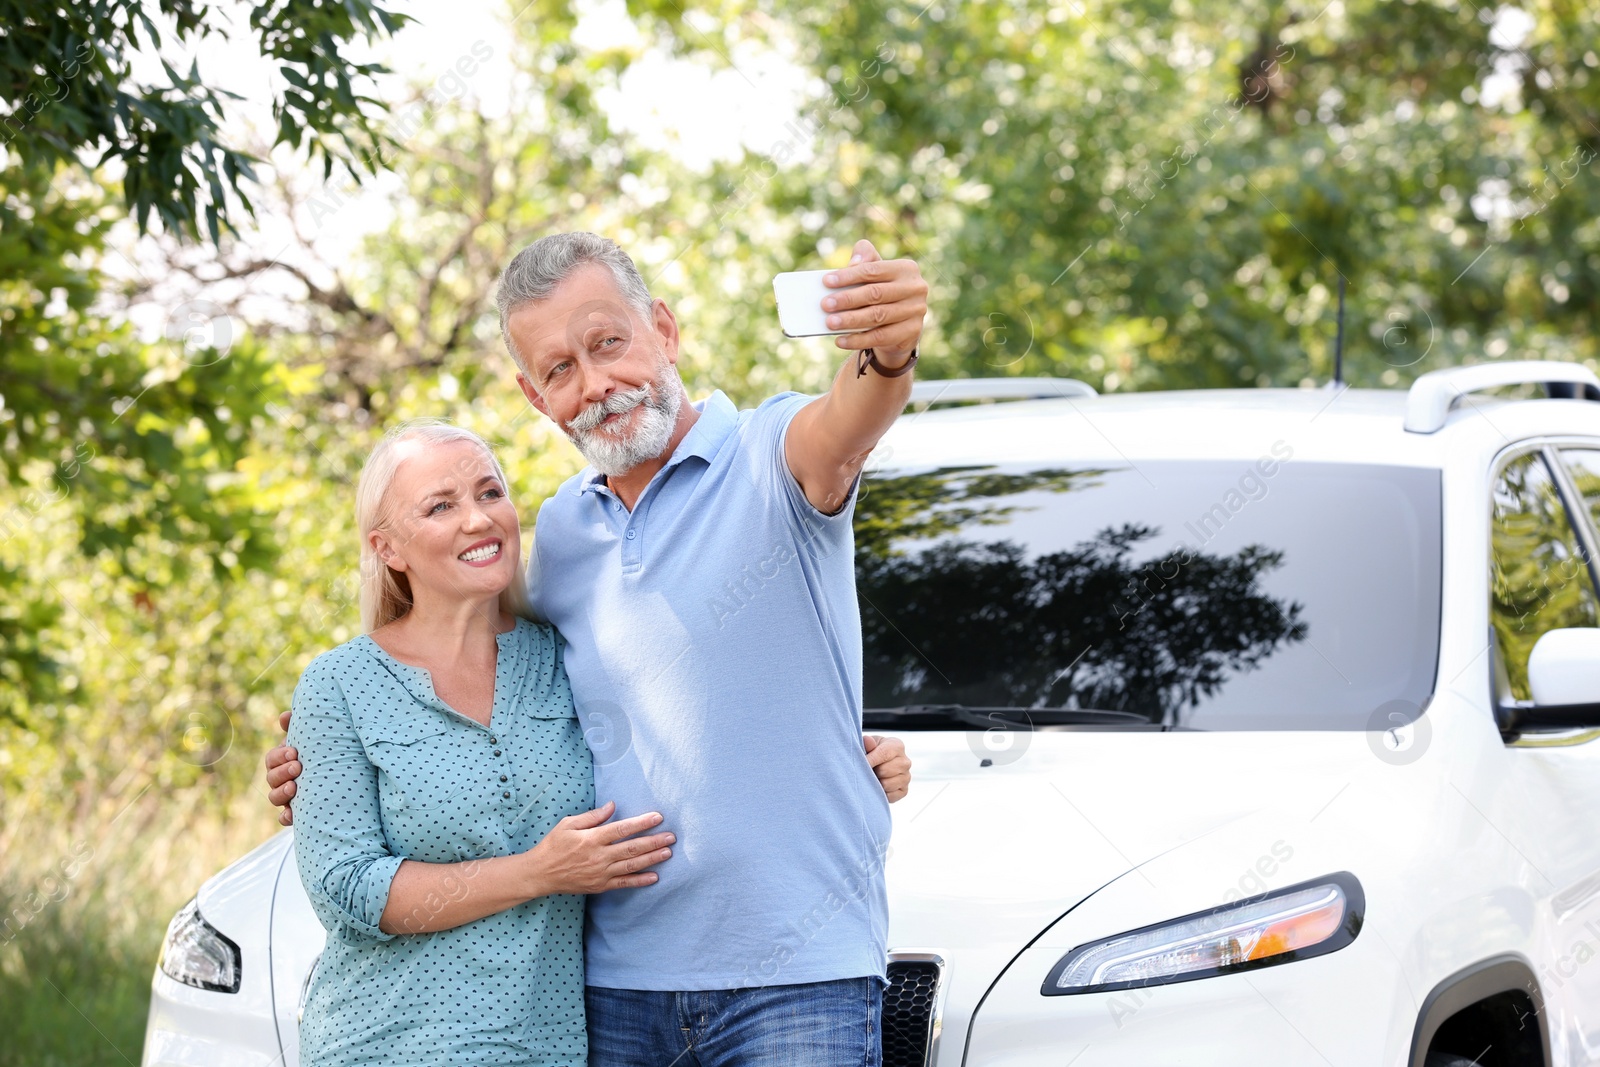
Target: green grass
[(74, 987), (87, 897)]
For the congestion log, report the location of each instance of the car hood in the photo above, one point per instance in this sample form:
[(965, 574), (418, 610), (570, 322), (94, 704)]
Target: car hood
[(985, 858)]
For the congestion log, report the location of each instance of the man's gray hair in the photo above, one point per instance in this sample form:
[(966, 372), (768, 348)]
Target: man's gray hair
[(534, 273)]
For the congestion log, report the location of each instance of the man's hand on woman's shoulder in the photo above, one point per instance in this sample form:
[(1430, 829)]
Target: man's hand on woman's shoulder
[(888, 760)]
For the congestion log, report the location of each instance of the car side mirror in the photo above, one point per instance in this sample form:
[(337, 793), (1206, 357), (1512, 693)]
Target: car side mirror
[(1564, 667), (1564, 680)]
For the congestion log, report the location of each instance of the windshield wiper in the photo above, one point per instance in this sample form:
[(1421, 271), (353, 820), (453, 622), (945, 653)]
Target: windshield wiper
[(944, 716)]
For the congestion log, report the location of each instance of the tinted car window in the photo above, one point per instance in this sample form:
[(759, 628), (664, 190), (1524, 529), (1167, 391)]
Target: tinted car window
[(1539, 577), (1213, 595)]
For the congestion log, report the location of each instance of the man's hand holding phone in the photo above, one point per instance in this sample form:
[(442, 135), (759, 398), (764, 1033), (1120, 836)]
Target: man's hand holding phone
[(873, 303)]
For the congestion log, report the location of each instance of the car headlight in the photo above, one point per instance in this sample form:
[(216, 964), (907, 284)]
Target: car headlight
[(198, 954), (1302, 921)]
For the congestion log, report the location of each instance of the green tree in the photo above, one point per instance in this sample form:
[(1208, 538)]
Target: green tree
[(1159, 195), (143, 440)]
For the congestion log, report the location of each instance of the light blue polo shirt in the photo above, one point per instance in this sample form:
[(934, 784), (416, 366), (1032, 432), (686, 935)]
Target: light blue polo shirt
[(714, 650)]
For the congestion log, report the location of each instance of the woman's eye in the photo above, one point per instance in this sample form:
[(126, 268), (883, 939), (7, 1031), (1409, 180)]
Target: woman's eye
[(492, 494), (437, 507)]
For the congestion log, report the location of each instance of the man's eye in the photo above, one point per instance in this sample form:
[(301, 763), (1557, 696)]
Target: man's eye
[(609, 341), (558, 368)]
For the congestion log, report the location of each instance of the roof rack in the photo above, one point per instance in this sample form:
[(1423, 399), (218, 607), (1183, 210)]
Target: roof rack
[(956, 390), (1435, 393)]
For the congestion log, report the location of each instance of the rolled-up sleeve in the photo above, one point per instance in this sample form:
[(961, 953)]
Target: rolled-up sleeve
[(344, 860)]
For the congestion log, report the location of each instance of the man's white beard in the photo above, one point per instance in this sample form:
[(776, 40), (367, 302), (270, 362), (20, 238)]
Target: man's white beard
[(610, 452)]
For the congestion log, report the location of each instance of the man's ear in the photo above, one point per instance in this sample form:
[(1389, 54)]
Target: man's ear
[(667, 329), (533, 395), (385, 550)]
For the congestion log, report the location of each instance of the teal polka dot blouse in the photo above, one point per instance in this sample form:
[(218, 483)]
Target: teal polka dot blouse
[(391, 772)]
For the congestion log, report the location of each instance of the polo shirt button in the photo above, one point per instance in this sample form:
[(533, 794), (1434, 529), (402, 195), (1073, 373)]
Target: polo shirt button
[(632, 534), (503, 778), (506, 795)]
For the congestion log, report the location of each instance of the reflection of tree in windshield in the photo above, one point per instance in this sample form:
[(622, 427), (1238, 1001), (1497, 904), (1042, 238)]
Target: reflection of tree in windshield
[(982, 624), (945, 500)]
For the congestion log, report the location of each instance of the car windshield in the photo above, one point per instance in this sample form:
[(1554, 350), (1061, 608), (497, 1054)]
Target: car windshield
[(1271, 594)]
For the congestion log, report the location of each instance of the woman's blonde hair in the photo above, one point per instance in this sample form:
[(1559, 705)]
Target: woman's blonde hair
[(386, 593)]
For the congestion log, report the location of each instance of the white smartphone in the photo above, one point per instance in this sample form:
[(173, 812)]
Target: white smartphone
[(800, 313)]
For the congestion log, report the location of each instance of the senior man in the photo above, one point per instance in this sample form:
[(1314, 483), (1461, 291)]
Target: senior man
[(701, 569)]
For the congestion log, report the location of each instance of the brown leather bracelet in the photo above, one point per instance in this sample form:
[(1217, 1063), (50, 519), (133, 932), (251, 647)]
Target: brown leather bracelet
[(869, 358)]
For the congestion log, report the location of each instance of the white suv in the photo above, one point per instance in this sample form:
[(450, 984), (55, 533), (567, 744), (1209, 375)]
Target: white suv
[(1250, 727)]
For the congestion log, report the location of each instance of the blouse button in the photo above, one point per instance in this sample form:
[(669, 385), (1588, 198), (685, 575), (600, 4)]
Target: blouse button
[(497, 752), (494, 740), (506, 795), (503, 778)]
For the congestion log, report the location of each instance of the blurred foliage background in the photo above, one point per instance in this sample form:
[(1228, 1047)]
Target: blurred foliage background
[(1145, 195)]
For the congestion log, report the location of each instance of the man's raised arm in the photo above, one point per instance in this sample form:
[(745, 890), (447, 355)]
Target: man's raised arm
[(830, 438)]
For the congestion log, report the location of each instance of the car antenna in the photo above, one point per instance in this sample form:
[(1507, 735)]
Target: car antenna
[(1338, 340)]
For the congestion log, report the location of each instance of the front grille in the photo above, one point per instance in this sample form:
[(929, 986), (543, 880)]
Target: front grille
[(910, 1010)]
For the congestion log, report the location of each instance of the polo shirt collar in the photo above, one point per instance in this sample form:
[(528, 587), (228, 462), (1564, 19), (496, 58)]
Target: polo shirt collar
[(718, 419)]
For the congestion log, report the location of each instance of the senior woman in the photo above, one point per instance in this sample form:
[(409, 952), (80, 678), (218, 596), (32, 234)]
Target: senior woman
[(444, 830)]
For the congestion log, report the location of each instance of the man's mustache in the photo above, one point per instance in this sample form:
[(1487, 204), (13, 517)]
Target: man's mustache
[(615, 404)]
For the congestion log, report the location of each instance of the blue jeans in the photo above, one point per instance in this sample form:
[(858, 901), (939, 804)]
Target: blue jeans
[(819, 1024)]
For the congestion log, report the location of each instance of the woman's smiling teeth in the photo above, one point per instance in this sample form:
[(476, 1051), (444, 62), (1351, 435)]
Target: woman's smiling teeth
[(478, 555)]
